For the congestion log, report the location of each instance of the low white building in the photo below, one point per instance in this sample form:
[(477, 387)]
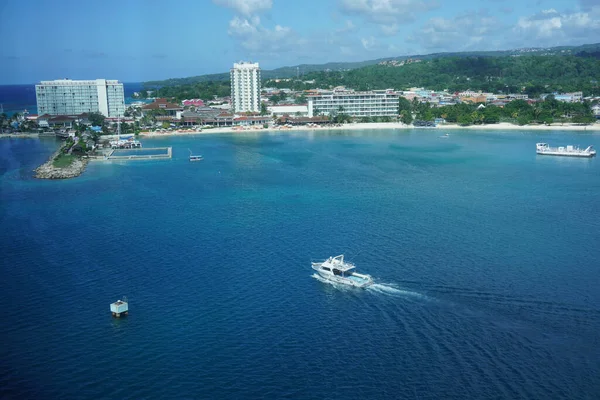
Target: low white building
[(299, 110)]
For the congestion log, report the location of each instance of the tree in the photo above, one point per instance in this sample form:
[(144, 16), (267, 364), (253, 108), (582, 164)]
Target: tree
[(263, 109), (406, 117), (96, 119), (465, 119)]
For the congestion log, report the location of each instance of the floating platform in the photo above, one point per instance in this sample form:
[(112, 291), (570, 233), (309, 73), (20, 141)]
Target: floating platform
[(119, 307), (147, 153)]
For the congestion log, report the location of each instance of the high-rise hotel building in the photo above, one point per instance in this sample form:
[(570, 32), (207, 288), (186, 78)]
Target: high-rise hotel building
[(245, 87), (67, 97)]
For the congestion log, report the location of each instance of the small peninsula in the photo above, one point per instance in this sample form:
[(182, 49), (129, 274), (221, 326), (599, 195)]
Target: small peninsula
[(61, 166)]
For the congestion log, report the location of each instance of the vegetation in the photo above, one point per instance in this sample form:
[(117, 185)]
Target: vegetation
[(305, 71), (96, 118), (63, 160), (198, 90), (533, 75), (517, 111)]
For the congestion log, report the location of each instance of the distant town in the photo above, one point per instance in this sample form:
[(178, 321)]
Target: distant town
[(85, 110)]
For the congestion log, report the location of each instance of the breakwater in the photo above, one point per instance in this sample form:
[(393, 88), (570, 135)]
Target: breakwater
[(48, 171)]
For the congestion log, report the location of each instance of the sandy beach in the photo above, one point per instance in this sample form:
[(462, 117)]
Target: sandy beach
[(385, 125), (503, 126)]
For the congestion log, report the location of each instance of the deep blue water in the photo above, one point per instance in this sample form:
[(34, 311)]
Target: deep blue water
[(485, 257), (16, 98)]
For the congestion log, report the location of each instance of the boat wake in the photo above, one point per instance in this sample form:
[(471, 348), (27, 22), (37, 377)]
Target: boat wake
[(391, 290), (388, 289)]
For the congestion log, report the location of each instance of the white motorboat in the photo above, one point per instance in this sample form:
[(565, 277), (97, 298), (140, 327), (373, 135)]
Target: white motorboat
[(568, 151), (195, 157), (335, 269)]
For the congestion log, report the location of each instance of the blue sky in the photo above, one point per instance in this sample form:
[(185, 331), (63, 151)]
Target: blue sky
[(138, 40)]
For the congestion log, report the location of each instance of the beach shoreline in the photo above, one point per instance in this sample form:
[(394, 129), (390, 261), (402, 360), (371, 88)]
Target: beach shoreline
[(503, 126), (382, 126)]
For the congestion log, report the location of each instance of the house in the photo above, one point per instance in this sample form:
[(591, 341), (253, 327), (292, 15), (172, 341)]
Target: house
[(193, 102), (43, 120), (320, 120), (169, 109), (596, 110), (61, 121), (252, 120)]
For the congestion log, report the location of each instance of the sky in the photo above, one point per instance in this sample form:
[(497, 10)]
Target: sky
[(141, 40)]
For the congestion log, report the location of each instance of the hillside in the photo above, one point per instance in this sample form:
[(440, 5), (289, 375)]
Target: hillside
[(307, 69), (529, 73)]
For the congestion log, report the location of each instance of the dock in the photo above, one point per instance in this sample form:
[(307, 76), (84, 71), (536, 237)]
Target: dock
[(141, 153)]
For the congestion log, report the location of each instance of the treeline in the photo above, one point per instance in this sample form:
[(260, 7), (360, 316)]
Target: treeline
[(199, 90), (533, 75), (517, 111)]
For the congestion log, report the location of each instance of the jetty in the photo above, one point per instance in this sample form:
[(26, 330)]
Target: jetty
[(149, 153)]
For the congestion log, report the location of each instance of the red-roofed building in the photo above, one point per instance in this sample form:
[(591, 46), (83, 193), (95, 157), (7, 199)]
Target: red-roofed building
[(162, 104), (193, 102)]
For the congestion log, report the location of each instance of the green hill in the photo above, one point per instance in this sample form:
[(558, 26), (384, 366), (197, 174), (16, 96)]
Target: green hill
[(305, 70)]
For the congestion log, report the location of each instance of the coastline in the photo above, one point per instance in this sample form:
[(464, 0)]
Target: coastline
[(48, 171), (380, 126), (353, 126)]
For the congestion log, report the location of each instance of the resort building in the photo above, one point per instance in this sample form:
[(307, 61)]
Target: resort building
[(245, 87), (68, 97), (376, 103), (294, 110)]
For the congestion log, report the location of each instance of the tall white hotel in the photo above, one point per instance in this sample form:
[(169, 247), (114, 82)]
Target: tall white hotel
[(245, 87), (67, 97)]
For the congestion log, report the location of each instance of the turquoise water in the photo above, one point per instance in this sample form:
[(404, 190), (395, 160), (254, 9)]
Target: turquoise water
[(140, 152), (484, 257)]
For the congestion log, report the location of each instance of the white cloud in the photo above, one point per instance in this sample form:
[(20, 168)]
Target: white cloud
[(389, 30), (551, 27), (347, 28), (368, 43), (244, 26), (463, 32), (246, 7), (387, 12), (258, 40)]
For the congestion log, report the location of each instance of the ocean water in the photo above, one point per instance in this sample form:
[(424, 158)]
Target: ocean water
[(485, 258), (17, 98)]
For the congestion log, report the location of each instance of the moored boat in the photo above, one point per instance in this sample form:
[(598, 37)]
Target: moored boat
[(335, 269), (567, 151), (195, 157)]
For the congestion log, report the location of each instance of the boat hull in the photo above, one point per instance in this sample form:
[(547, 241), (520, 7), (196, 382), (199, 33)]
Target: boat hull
[(360, 280), (565, 154)]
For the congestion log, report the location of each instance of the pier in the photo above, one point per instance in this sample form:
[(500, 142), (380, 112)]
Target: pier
[(141, 153)]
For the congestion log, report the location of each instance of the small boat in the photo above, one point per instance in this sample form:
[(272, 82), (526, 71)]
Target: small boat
[(195, 157), (568, 151), (335, 269)]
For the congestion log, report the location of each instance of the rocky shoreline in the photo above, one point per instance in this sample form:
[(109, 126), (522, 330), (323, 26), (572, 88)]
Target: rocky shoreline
[(49, 171)]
